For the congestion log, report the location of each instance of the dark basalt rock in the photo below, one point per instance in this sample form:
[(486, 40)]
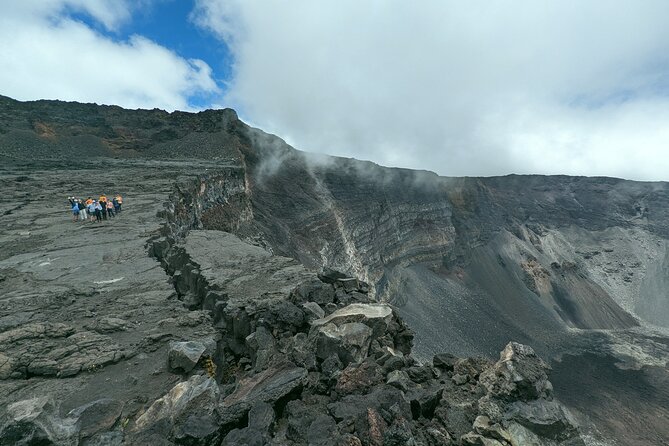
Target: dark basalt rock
[(444, 361), (328, 275), (35, 421), (186, 414), (184, 356), (519, 375), (268, 386), (97, 416)]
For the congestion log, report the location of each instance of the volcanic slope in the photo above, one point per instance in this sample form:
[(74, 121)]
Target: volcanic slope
[(573, 266)]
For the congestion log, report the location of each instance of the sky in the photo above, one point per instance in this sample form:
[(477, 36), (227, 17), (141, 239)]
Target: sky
[(477, 87)]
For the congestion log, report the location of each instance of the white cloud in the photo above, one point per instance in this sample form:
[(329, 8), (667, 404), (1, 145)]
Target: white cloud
[(461, 88), (47, 54), (110, 13)]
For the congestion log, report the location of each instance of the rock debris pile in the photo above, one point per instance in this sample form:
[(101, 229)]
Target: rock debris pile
[(329, 366), (322, 365)]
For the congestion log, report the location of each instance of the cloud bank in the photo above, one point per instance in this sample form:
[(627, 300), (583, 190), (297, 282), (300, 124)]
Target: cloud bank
[(47, 53), (460, 88)]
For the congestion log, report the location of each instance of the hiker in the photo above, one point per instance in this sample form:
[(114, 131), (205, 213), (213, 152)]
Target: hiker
[(98, 210), (83, 216), (103, 206), (75, 211), (110, 209), (91, 210)]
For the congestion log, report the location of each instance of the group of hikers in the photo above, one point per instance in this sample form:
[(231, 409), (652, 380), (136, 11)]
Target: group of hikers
[(95, 210)]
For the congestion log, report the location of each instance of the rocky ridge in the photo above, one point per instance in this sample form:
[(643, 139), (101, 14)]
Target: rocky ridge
[(237, 346), (324, 363)]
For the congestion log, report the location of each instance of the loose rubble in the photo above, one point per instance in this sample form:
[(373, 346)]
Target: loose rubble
[(325, 367)]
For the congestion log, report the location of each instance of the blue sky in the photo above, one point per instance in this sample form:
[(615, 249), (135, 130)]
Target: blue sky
[(461, 88), (167, 22)]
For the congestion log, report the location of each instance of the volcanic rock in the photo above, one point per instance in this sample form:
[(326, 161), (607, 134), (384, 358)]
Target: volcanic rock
[(184, 356), (350, 341), (268, 387), (519, 374), (96, 416), (375, 316), (188, 413), (444, 361), (35, 421), (399, 379)]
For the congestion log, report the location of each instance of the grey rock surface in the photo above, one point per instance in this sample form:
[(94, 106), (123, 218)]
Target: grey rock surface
[(185, 355), (187, 413), (85, 315), (266, 387)]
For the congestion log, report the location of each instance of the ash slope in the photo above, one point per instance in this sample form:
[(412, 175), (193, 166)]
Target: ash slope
[(569, 265)]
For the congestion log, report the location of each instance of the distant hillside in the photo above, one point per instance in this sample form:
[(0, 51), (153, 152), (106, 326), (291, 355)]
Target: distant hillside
[(64, 130)]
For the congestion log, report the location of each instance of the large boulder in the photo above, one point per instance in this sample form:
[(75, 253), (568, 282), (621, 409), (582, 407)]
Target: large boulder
[(521, 436), (268, 386), (548, 419), (313, 311), (349, 342), (34, 422), (483, 426), (329, 275), (184, 356), (424, 401), (376, 316), (350, 331), (519, 397), (186, 414), (472, 439), (313, 291), (399, 379), (340, 280), (360, 413), (261, 347), (257, 433), (518, 375), (96, 416), (359, 378), (444, 361)]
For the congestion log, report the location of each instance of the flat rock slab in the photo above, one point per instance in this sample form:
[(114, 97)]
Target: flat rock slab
[(246, 273), (375, 316), (189, 409), (85, 313), (267, 386), (97, 416), (357, 313), (350, 341)]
